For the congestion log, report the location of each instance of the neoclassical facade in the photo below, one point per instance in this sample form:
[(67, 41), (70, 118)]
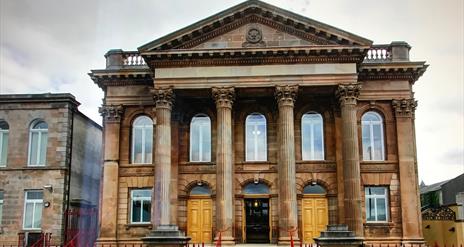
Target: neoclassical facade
[(255, 124)]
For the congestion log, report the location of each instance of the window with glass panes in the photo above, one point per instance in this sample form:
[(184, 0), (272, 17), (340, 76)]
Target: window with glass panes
[(200, 139), (33, 205), (312, 137), (140, 206), (256, 138), (4, 129), (372, 136), (376, 204), (142, 140), (38, 138)]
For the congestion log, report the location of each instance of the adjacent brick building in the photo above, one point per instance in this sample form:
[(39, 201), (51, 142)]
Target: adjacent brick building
[(257, 121), (50, 162)]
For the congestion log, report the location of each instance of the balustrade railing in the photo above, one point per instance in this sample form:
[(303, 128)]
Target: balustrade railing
[(379, 53), (133, 58)]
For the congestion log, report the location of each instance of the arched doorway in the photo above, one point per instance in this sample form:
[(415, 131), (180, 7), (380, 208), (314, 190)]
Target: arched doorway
[(314, 212), (256, 213), (199, 214)]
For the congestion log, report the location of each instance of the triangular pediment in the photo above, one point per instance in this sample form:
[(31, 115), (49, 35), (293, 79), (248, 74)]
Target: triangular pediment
[(238, 26), (255, 34)]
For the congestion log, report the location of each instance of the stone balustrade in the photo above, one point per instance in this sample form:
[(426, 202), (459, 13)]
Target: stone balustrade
[(118, 59), (379, 53), (133, 58), (396, 51)]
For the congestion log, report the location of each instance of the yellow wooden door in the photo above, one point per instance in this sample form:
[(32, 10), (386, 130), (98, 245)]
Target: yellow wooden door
[(315, 217), (199, 220)]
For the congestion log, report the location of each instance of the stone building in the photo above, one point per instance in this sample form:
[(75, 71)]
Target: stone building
[(260, 123), (50, 156), (443, 212)]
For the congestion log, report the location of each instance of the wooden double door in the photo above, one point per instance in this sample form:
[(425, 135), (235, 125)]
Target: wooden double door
[(315, 217), (199, 220)]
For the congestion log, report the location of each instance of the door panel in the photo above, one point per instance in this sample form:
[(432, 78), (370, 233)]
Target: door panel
[(199, 220), (315, 217), (257, 220)]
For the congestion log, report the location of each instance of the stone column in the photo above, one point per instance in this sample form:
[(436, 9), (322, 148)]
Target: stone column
[(347, 95), (109, 195), (164, 98), (410, 208), (165, 232), (288, 212), (224, 98)]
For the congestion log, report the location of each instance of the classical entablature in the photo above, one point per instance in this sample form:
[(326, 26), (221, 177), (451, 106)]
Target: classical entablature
[(241, 45)]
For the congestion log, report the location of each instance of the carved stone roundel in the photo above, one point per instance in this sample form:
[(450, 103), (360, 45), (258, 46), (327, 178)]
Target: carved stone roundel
[(254, 35)]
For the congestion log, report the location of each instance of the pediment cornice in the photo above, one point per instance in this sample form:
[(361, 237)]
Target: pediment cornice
[(258, 12)]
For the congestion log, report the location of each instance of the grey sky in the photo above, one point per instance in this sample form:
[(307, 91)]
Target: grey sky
[(51, 45)]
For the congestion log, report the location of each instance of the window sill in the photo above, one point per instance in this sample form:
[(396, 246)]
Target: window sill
[(193, 163), (315, 161), (136, 165), (265, 162), (378, 224), (377, 161), (141, 225), (33, 230)]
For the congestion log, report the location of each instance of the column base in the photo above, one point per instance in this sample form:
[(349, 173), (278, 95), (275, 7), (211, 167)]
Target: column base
[(413, 243), (166, 236), (285, 241), (338, 236), (106, 242), (226, 240)]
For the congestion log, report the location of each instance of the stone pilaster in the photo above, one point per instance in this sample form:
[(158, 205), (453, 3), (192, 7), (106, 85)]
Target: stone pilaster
[(109, 201), (224, 98), (347, 95), (164, 98), (288, 212), (410, 208)]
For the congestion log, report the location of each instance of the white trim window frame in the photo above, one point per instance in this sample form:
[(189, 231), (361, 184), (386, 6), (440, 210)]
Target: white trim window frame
[(200, 123), (144, 128), (40, 145), (4, 133), (312, 122), (144, 200), (255, 124), (377, 199), (2, 194), (371, 124), (37, 206)]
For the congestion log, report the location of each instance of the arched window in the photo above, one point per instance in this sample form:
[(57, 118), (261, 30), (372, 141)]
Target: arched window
[(313, 189), (200, 190), (200, 139), (4, 129), (38, 138), (255, 188), (256, 138), (372, 136), (312, 137), (142, 140)]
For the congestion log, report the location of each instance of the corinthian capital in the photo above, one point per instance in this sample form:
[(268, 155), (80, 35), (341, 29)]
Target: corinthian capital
[(404, 107), (348, 93), (223, 96), (111, 113), (286, 95), (164, 97)]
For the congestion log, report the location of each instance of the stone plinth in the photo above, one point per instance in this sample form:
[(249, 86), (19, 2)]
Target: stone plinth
[(167, 236), (338, 236)]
